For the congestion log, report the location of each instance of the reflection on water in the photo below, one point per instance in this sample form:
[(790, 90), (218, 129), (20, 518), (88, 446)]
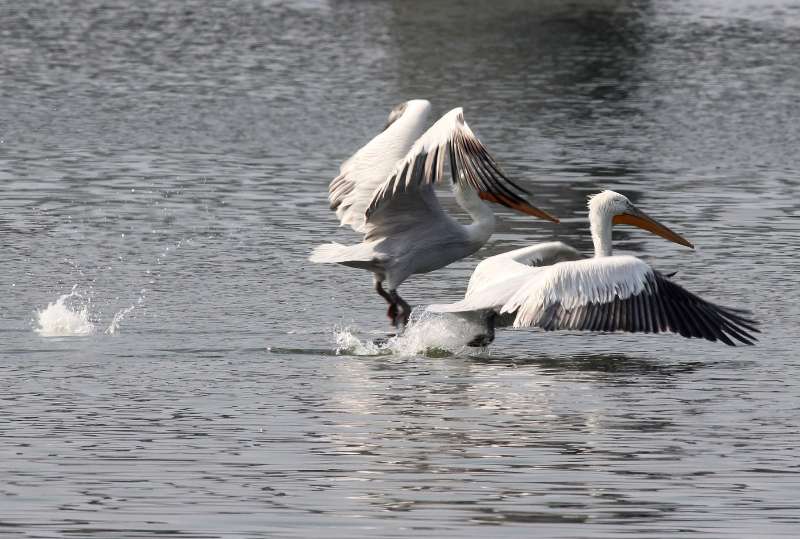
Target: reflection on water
[(173, 157)]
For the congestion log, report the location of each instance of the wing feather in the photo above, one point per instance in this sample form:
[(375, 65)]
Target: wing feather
[(498, 277), (622, 293), (352, 190), (471, 165)]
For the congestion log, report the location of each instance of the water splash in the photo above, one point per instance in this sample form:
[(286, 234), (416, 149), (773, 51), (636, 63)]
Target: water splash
[(347, 342), (66, 317), (429, 334), (113, 327)]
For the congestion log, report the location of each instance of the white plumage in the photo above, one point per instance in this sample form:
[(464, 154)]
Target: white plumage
[(498, 278), (386, 191), (570, 285), (550, 287), (353, 189)]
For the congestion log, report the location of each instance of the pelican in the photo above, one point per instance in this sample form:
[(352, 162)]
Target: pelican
[(553, 287), (386, 191)]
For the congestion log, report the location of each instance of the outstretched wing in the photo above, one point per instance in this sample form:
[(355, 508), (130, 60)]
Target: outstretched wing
[(471, 165), (351, 192), (622, 293), (519, 261), (499, 277)]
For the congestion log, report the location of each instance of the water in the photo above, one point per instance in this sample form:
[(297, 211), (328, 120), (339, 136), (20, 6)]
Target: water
[(168, 162)]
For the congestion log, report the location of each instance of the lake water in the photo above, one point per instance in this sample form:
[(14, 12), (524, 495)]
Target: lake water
[(165, 166)]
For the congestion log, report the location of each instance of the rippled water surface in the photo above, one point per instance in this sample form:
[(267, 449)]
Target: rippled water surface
[(164, 169)]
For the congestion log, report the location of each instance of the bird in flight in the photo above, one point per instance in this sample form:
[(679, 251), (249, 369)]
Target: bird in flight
[(386, 192)]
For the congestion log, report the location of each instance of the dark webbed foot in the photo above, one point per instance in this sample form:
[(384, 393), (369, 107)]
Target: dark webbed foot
[(393, 311), (405, 308)]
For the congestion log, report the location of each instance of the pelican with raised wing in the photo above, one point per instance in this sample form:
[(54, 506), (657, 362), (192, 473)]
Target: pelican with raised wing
[(386, 191), (553, 287)]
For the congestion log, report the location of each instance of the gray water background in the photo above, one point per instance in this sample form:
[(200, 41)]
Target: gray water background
[(174, 157)]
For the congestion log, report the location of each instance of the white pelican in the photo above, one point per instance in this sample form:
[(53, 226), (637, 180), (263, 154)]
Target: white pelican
[(553, 287), (386, 191)]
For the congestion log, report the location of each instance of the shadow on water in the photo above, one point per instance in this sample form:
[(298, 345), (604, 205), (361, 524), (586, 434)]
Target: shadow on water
[(608, 506), (606, 363), (379, 355), (303, 351)]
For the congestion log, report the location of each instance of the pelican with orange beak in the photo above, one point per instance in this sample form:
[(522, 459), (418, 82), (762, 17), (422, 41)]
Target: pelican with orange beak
[(386, 192), (553, 287)]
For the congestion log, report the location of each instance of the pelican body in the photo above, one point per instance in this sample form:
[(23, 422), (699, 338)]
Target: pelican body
[(553, 287), (386, 192)]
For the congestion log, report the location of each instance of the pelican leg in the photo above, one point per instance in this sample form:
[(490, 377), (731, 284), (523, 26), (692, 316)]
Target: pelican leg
[(392, 311), (487, 338), (405, 308)]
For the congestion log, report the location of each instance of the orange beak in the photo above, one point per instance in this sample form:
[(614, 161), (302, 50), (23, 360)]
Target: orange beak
[(522, 207), (638, 218)]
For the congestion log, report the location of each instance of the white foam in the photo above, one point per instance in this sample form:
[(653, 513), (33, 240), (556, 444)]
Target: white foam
[(427, 333), (348, 343), (68, 316)]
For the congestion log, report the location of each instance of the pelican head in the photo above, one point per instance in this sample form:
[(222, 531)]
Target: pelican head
[(617, 208), (415, 106)]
